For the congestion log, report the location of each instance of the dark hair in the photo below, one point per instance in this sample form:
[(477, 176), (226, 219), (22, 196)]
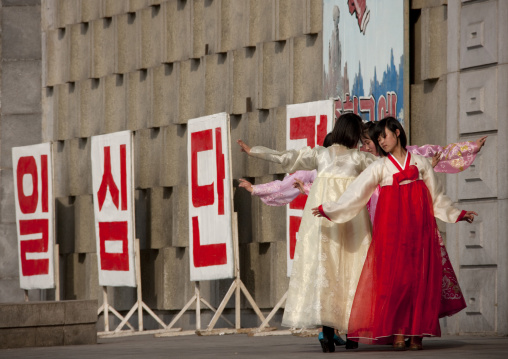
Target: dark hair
[(327, 142), (347, 130), (392, 124), (367, 127)]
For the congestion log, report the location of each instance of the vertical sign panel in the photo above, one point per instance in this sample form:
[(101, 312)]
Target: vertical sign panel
[(210, 227), (307, 124), (33, 191), (114, 208), (363, 57)]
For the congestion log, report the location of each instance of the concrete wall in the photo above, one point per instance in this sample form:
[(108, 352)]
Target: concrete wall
[(20, 122)]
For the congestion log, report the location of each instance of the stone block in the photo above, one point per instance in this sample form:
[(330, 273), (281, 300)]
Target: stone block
[(191, 102), (135, 5), (433, 45), (278, 141), (242, 202), (173, 156), (313, 17), (49, 121), (165, 82), (177, 31), (91, 107), (93, 289), (80, 311), (7, 206), (239, 126), (478, 240), (48, 13), (453, 39), (268, 222), (115, 103), (67, 101), (6, 3), (232, 25), (80, 166), (261, 21), (422, 4), (60, 169), (479, 288), (150, 36), (90, 10), (15, 131), (147, 162), (84, 225), (114, 7), (21, 87), (290, 20), (57, 56), (11, 292), (81, 334), (68, 12), (478, 34), (122, 298), (204, 22), (217, 81), (172, 278), (273, 74), (49, 336), (142, 206), (102, 47), (127, 54), (478, 100), (306, 76), (21, 32), (480, 180), (79, 68), (81, 281), (139, 99), (428, 109), (9, 249), (160, 217), (243, 75), (17, 337), (264, 272), (180, 237), (64, 226)]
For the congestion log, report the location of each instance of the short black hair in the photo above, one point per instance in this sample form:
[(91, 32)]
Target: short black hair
[(347, 130), (367, 127), (327, 142), (392, 124)]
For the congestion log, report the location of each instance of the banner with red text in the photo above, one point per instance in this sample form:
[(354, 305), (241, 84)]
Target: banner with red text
[(112, 178), (33, 191), (210, 226), (307, 124)]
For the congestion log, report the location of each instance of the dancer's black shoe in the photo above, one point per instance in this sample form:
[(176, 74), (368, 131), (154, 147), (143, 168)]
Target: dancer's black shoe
[(351, 344)]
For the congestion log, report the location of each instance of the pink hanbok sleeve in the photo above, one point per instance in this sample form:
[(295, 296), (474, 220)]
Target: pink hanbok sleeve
[(280, 193), (456, 157)]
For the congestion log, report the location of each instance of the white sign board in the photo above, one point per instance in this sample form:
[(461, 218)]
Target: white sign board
[(113, 197), (210, 226), (33, 190), (307, 124)]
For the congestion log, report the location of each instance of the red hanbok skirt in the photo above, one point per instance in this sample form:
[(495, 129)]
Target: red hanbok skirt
[(399, 291)]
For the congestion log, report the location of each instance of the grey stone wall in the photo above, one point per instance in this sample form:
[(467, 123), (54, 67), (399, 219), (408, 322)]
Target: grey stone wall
[(20, 122)]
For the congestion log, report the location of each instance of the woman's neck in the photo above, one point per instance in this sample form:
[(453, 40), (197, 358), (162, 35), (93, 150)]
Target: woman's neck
[(399, 153)]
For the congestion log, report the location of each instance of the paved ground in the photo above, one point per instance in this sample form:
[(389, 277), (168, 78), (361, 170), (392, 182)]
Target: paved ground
[(242, 346)]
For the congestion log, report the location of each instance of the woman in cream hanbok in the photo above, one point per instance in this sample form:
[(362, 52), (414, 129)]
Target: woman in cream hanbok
[(328, 257)]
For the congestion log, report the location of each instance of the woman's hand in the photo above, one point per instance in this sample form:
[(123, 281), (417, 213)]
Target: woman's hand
[(246, 184), (469, 216), (436, 158), (481, 142), (299, 185), (244, 147), (316, 213)]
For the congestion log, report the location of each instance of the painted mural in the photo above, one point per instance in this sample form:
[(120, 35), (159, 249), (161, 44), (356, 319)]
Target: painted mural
[(363, 57)]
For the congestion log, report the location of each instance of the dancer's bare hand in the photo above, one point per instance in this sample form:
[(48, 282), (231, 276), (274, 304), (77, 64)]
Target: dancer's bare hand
[(436, 158), (244, 147), (246, 184), (469, 216), (299, 185), (316, 213), (481, 142)]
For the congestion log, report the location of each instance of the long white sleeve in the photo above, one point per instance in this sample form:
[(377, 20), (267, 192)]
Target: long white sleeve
[(291, 160), (356, 196)]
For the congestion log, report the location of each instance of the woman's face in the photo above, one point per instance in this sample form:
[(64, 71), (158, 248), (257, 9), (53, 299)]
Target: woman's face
[(368, 146), (388, 140)]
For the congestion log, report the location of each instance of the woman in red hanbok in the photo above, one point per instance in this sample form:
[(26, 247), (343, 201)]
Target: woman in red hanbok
[(399, 290)]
